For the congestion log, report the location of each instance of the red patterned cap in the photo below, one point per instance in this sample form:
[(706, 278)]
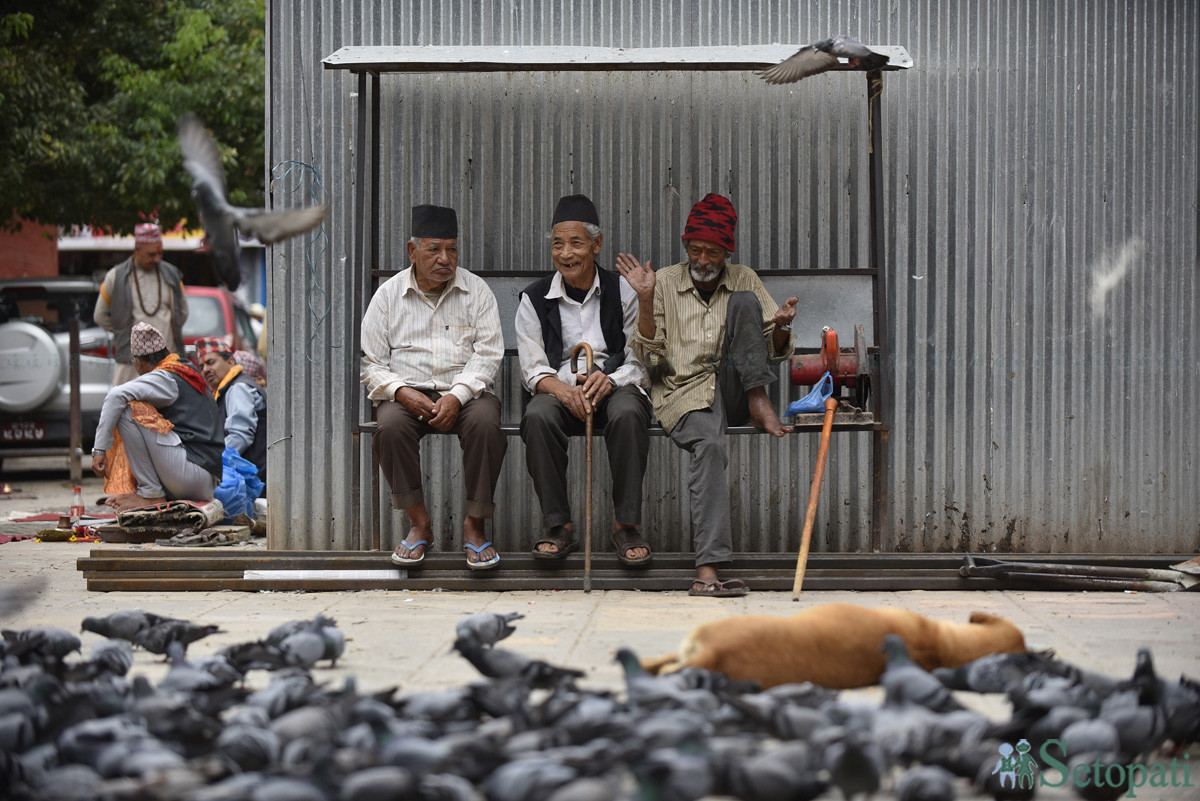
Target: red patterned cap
[(207, 345), (252, 364), (712, 219), (145, 339), (147, 233)]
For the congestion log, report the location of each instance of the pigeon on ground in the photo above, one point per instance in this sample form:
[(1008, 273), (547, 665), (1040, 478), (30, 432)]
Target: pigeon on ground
[(823, 56), (486, 628), (907, 682), (42, 645), (500, 663), (222, 221), (926, 783)]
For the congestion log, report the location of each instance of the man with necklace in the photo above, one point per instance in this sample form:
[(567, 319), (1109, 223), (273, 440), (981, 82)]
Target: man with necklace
[(142, 289)]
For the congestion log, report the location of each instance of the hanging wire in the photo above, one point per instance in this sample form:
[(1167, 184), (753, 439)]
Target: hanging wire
[(315, 244)]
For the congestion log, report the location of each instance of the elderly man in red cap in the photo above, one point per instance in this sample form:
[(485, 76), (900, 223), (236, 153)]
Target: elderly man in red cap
[(241, 400), (431, 350), (142, 289), (169, 426), (716, 338)]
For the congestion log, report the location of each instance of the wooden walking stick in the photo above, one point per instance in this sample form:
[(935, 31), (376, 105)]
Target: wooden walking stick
[(811, 514), (587, 535)]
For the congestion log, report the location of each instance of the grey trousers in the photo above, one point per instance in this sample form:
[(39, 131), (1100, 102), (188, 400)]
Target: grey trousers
[(397, 447), (744, 365), (623, 417), (160, 470)]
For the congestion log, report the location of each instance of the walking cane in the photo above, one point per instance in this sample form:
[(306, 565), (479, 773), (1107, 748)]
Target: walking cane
[(811, 514), (587, 536)]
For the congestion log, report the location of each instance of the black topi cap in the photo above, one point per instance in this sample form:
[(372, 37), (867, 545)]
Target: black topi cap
[(434, 222), (575, 208)]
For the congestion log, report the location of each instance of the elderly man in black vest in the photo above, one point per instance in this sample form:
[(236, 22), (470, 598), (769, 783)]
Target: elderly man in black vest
[(169, 425), (581, 302)]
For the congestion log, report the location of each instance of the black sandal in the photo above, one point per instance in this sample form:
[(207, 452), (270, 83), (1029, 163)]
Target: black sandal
[(560, 537), (627, 539)]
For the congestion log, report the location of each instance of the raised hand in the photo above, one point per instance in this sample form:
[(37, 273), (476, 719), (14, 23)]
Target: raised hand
[(786, 313), (639, 276)]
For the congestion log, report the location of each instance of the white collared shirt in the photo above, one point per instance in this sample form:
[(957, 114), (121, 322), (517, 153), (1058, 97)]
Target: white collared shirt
[(453, 344), (580, 323)]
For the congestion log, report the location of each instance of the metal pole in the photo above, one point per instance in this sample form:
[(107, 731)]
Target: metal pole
[(76, 457), (358, 253), (883, 389), (373, 265)]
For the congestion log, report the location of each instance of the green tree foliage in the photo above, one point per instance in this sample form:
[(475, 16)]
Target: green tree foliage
[(90, 95)]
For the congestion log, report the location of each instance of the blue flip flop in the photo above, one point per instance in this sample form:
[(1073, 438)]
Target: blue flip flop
[(406, 560), (478, 549)]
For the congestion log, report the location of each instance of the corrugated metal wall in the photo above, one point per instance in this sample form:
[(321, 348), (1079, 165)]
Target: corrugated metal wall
[(1041, 249)]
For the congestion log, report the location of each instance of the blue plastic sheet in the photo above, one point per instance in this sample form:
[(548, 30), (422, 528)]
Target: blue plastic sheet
[(239, 486)]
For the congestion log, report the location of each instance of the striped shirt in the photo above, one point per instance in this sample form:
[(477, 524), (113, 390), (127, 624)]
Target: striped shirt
[(684, 355), (580, 323), (451, 344)]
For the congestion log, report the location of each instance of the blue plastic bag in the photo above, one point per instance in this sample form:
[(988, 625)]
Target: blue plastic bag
[(814, 401), (239, 486)]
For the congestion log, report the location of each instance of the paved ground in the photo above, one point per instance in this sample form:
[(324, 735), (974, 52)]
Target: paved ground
[(403, 638)]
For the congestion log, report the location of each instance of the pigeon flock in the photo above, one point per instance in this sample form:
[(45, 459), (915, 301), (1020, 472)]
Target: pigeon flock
[(75, 728)]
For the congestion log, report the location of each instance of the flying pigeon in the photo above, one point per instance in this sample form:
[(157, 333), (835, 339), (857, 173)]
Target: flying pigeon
[(823, 56), (222, 222)]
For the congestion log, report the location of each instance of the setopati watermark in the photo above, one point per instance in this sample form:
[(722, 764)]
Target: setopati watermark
[(1018, 768)]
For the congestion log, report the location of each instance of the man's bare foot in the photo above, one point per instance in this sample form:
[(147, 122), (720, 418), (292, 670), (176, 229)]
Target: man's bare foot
[(762, 413), (549, 547), (130, 500), (475, 533), (409, 549)]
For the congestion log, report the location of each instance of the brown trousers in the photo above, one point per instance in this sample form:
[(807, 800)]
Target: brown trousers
[(397, 447)]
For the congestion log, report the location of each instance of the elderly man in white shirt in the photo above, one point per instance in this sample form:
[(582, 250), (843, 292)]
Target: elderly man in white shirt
[(431, 349), (582, 302)]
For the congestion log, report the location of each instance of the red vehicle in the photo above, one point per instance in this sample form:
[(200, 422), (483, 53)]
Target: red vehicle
[(214, 311)]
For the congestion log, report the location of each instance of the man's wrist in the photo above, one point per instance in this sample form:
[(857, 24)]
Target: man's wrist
[(784, 326)]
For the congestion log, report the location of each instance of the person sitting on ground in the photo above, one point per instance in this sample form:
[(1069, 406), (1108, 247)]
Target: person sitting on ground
[(171, 431), (713, 339), (583, 302), (241, 400), (431, 350)]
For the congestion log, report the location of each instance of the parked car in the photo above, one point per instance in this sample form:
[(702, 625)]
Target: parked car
[(35, 390), (214, 311)]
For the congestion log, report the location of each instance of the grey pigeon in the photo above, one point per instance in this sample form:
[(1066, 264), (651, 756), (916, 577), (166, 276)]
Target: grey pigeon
[(333, 638), (650, 692), (16, 594), (823, 56), (992, 673), (1092, 735), (784, 773), (926, 783), (222, 221), (533, 779), (485, 629), (855, 764), (158, 637), (124, 624), (47, 642), (500, 663), (906, 682)]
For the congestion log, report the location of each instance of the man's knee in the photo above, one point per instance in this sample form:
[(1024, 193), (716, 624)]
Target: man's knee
[(542, 414), (744, 302)]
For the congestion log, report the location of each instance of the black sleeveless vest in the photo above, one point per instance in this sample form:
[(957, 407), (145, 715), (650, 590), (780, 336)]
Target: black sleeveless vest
[(611, 319), (256, 454), (199, 424)]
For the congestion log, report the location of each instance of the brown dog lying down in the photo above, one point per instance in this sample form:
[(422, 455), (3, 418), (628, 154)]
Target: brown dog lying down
[(834, 645)]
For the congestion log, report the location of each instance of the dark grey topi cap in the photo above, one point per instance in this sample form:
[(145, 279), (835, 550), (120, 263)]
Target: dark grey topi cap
[(434, 222), (575, 208)]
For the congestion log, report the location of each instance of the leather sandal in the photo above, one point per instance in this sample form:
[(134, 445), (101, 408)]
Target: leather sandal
[(627, 539), (563, 541), (733, 588)]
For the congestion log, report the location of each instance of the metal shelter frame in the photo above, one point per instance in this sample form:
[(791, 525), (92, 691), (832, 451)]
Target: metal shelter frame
[(369, 63)]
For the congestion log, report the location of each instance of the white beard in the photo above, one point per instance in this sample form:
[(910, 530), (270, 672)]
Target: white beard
[(703, 274)]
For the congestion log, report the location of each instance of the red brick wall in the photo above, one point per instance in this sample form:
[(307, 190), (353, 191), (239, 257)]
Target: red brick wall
[(30, 252)]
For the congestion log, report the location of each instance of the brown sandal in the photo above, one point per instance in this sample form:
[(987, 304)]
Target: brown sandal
[(626, 540), (562, 540), (733, 588)]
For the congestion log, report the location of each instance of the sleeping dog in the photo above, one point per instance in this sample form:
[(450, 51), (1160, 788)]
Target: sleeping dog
[(834, 645)]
